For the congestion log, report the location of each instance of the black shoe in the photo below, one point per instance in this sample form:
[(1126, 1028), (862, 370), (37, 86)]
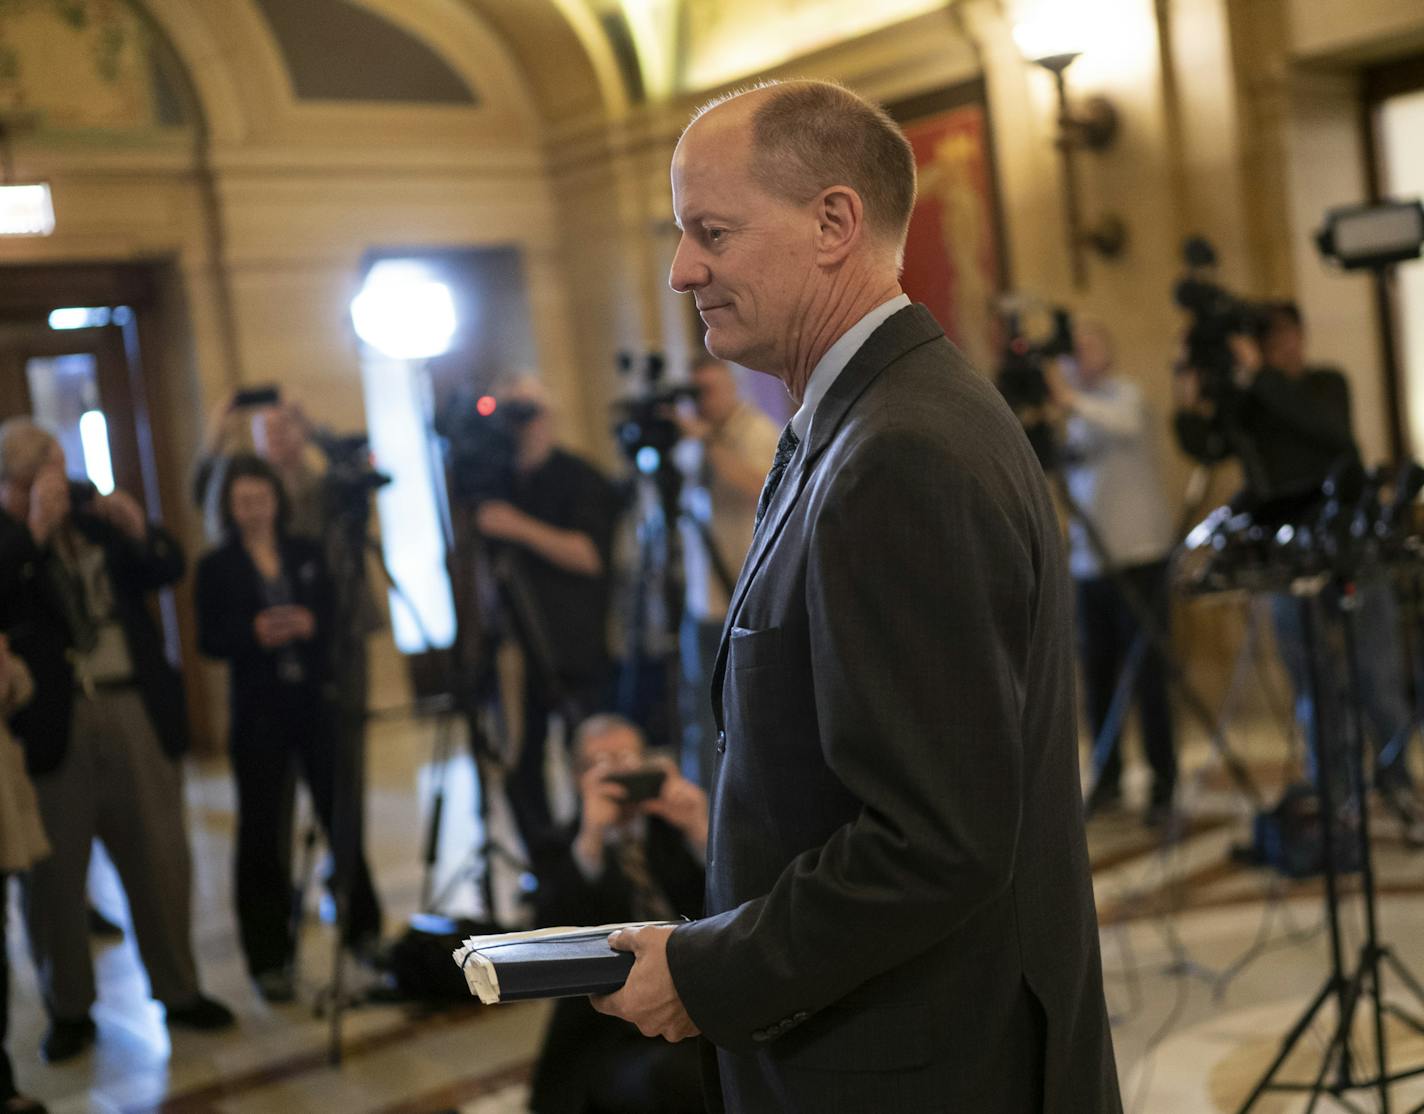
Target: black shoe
[(202, 1013), (67, 1038), (1159, 815), (276, 986), (102, 927)]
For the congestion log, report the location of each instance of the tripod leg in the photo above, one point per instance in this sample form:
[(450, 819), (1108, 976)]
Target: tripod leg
[(440, 769), (1288, 1046)]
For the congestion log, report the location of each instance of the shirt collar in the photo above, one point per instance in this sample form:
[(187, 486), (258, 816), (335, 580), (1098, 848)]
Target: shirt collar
[(830, 366)]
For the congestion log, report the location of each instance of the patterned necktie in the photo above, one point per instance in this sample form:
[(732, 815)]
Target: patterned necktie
[(785, 448), (649, 904)]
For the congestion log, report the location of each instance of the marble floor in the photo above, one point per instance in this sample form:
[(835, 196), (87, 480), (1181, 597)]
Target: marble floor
[(1207, 965)]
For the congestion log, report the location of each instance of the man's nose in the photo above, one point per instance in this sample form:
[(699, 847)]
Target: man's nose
[(688, 271)]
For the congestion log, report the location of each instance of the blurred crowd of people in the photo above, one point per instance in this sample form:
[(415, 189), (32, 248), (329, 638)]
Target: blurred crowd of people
[(89, 686)]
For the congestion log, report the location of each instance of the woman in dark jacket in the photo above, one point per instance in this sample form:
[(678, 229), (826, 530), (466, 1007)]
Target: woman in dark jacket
[(265, 605)]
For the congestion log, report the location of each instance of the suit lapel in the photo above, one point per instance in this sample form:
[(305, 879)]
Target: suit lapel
[(907, 329)]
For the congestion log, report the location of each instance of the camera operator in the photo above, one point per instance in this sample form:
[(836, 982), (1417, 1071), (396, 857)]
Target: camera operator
[(735, 443), (620, 861), (559, 519), (1112, 471), (104, 733), (1293, 417)]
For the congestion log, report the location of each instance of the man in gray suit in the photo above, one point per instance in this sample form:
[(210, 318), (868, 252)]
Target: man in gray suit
[(899, 907)]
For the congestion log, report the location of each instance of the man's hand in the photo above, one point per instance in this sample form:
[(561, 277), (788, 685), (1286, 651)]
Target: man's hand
[(498, 519), (275, 627), (1246, 351), (681, 804), (648, 999), (603, 803), (122, 511)]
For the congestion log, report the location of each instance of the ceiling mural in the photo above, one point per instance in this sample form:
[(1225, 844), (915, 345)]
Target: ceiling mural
[(116, 76)]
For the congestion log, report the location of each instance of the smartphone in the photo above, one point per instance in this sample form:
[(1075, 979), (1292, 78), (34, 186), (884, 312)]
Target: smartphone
[(249, 397), (641, 785)]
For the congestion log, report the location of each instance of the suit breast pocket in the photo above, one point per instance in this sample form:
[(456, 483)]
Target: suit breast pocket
[(754, 690), (753, 649)]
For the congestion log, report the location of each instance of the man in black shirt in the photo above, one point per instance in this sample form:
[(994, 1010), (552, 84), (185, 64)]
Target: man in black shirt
[(1293, 418), (559, 523), (1293, 423)]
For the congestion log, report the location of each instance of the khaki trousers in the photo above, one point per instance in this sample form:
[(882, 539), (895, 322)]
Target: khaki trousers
[(115, 783)]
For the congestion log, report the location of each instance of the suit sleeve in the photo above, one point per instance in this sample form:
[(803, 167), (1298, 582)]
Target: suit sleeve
[(920, 593)]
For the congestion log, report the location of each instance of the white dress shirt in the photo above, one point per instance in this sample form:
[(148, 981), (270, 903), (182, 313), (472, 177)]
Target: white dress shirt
[(828, 369)]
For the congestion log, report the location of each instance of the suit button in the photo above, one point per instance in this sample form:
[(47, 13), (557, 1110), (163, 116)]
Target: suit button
[(721, 742)]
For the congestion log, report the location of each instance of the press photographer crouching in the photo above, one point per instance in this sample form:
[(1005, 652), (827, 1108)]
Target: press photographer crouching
[(266, 606), (555, 520), (1289, 422), (636, 852), (104, 733)]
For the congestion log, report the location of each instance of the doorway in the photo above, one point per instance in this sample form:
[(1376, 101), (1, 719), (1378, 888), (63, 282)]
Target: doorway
[(82, 352)]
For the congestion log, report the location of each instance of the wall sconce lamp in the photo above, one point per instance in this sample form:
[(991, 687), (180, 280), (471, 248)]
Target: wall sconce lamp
[(1092, 128)]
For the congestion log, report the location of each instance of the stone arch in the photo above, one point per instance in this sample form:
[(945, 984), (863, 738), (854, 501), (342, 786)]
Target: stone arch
[(545, 61)]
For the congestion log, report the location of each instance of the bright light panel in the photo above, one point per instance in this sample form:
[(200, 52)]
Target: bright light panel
[(403, 313), (412, 540), (79, 317), (94, 436), (26, 210)]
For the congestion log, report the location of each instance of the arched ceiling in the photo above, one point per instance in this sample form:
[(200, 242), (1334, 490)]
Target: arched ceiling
[(335, 50), (566, 56)]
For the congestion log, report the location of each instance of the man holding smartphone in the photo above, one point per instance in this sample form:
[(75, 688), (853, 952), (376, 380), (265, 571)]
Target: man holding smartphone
[(635, 853)]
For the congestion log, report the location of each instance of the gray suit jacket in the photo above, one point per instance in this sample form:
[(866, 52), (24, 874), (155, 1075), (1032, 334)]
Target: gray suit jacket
[(899, 904)]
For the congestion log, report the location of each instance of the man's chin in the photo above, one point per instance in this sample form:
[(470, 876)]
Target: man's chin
[(719, 343)]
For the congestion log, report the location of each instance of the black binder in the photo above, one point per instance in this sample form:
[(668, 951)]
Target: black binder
[(572, 964)]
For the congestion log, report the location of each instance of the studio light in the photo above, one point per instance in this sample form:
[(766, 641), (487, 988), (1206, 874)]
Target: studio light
[(1361, 236), (403, 312)]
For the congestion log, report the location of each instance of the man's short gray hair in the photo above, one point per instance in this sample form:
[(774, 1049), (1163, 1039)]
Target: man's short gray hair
[(24, 445), (810, 135), (600, 724)]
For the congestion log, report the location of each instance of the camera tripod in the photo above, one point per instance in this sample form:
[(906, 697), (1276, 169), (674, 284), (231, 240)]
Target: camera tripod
[(497, 606), (1360, 988), (1149, 634)]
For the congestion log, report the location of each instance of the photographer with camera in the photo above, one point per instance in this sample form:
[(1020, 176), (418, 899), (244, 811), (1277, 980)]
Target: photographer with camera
[(558, 522), (1289, 420), (104, 734), (635, 853), (734, 443), (1111, 468)]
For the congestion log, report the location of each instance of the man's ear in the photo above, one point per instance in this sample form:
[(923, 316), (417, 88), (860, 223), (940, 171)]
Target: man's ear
[(840, 216)]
